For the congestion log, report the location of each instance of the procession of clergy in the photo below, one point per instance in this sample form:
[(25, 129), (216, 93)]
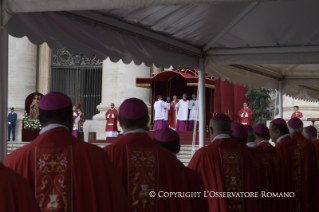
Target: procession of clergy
[(58, 172)]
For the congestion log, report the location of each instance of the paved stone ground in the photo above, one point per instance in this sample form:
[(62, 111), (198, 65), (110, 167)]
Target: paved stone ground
[(184, 155)]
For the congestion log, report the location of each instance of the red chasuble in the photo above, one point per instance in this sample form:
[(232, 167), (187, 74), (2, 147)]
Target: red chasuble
[(111, 124), (277, 165), (245, 120), (172, 115), (15, 192), (309, 173), (226, 166), (268, 178), (291, 174), (259, 176), (69, 175), (297, 114), (316, 144), (195, 184), (145, 166)]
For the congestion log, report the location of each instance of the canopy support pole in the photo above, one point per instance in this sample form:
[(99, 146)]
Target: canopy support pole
[(3, 92), (280, 99), (202, 101)]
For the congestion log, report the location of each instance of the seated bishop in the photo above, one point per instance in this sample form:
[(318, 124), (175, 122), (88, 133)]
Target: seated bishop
[(67, 174)]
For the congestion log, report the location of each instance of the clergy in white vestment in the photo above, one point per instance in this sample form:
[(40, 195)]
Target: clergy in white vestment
[(159, 107), (166, 111), (182, 115), (193, 106)]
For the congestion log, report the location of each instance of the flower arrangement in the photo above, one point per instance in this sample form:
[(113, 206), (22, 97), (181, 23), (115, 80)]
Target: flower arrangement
[(29, 124)]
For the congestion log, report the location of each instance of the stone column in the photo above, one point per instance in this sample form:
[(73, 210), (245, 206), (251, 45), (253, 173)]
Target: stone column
[(118, 84), (44, 83), (22, 76)]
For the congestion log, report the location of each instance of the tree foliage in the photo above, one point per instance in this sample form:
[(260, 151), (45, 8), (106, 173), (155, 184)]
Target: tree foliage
[(260, 102)]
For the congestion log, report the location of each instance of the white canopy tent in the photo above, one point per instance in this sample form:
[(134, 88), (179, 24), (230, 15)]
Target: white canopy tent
[(198, 34)]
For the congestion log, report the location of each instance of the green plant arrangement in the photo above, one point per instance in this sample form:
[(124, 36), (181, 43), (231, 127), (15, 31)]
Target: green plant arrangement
[(259, 102), (29, 124)]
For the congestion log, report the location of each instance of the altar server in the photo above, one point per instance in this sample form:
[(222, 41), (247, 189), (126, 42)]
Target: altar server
[(309, 168), (297, 113), (172, 113), (193, 114), (182, 115), (224, 159), (245, 114), (67, 174), (144, 166), (159, 107), (111, 124)]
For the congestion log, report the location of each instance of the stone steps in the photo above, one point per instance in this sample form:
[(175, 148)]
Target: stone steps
[(184, 155)]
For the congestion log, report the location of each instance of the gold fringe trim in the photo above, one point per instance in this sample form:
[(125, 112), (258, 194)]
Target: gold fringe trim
[(196, 84), (143, 85)]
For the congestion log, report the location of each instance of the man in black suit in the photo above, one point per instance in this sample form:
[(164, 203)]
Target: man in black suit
[(12, 118)]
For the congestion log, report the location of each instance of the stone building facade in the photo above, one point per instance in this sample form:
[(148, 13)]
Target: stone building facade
[(30, 71)]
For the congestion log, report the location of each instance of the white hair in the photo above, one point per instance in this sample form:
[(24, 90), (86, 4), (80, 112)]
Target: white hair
[(220, 126), (295, 130)]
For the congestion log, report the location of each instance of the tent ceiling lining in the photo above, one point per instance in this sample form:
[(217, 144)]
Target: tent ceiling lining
[(134, 30)]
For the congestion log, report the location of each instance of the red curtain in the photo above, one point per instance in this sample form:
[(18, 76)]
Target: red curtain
[(229, 98)]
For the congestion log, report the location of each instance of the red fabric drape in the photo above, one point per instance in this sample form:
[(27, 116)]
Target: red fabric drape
[(227, 97), (217, 96)]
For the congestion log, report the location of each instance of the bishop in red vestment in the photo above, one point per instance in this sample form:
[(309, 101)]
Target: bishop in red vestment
[(66, 174), (169, 139), (297, 113), (172, 113), (144, 166), (111, 124), (276, 164), (240, 133), (224, 166), (309, 168), (15, 192), (245, 115), (310, 132), (291, 174)]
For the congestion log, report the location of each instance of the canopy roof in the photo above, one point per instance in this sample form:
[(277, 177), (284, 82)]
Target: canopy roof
[(180, 32), (191, 77)]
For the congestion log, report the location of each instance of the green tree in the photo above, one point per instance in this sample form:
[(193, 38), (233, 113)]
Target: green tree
[(260, 102)]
